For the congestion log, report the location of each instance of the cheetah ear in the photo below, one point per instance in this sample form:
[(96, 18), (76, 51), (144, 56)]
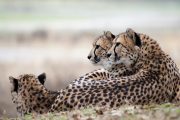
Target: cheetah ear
[(109, 35), (134, 36), (14, 84), (42, 78)]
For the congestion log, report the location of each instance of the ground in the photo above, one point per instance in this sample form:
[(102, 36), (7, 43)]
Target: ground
[(154, 112)]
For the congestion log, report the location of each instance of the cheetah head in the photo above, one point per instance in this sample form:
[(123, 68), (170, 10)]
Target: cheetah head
[(125, 48), (98, 54), (26, 81), (22, 87)]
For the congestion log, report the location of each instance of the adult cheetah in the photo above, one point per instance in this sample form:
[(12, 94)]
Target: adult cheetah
[(142, 52), (30, 95)]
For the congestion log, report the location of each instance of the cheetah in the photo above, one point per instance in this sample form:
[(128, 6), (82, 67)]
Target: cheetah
[(144, 53), (157, 79), (30, 95)]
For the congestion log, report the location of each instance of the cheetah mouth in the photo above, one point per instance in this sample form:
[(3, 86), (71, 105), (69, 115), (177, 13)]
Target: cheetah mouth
[(96, 60)]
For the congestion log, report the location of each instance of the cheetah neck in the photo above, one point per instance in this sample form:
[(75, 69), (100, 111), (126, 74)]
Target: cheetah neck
[(39, 101), (150, 55), (119, 70)]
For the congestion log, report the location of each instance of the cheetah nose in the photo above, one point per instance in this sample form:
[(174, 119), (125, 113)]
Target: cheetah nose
[(89, 56), (108, 55)]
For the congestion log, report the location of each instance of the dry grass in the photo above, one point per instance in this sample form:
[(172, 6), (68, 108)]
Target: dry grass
[(153, 112)]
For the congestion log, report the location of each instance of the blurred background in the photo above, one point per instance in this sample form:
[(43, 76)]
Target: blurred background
[(55, 36)]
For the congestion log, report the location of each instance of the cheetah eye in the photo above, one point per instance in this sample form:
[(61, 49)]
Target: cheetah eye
[(117, 44), (97, 46)]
